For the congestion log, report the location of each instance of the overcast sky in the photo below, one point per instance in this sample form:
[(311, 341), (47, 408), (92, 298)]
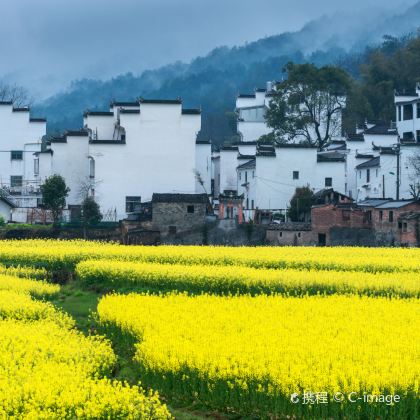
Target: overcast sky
[(44, 44)]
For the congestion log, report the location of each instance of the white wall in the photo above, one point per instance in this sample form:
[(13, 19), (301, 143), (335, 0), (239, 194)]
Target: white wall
[(4, 211), (18, 133), (228, 165), (203, 166)]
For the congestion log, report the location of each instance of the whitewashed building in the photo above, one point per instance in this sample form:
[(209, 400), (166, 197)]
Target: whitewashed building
[(124, 155), (20, 137)]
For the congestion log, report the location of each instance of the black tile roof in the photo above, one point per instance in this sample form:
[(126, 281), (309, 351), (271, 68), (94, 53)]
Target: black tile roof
[(370, 163), (229, 147), (129, 111), (99, 113), (261, 90), (331, 157), (202, 142), (38, 120), (57, 140), (42, 152), (161, 101), (22, 109), (76, 133), (364, 156), (245, 157), (187, 111), (355, 137), (381, 130), (119, 103), (107, 141), (6, 103), (180, 198), (295, 146), (247, 165), (246, 95)]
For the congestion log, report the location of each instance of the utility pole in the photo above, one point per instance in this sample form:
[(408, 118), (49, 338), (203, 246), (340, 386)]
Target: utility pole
[(398, 172), (383, 186)]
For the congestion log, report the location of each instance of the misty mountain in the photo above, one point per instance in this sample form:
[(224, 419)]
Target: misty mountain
[(214, 80)]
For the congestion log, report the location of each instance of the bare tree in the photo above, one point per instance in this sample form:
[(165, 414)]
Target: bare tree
[(414, 162), (87, 187), (18, 95), (199, 179)]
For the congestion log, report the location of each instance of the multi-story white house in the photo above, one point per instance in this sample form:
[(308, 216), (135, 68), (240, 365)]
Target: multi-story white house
[(124, 155), (20, 137)]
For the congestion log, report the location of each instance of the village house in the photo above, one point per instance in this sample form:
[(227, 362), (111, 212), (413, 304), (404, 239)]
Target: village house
[(173, 214), (21, 137), (125, 155)]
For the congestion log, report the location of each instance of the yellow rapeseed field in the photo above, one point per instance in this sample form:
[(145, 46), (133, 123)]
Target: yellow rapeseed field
[(252, 353), (64, 255), (110, 274), (36, 288)]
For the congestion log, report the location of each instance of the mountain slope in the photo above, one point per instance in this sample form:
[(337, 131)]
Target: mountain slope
[(213, 81)]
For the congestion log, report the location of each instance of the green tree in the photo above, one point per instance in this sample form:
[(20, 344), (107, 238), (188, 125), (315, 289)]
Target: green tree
[(54, 192), (91, 214), (308, 105), (300, 204)]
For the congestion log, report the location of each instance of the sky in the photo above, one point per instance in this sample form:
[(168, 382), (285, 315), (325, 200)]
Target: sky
[(44, 44)]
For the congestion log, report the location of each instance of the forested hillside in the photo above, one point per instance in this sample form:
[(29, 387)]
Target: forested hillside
[(213, 81)]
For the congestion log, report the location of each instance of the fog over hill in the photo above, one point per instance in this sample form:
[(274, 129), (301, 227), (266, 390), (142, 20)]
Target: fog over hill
[(213, 81)]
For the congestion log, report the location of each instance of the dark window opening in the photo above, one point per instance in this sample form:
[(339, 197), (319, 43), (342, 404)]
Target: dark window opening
[(328, 182), (16, 155), (295, 174), (391, 216), (408, 112), (322, 239), (381, 215), (404, 227), (367, 175), (16, 181), (252, 204), (299, 234), (399, 113), (190, 209), (346, 214), (172, 230), (280, 234), (132, 204), (408, 136), (418, 109)]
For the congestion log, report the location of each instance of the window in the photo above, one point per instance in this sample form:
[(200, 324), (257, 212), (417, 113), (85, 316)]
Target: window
[(399, 225), (16, 181), (36, 166), (172, 230), (360, 174), (91, 168), (190, 209), (246, 176), (299, 234), (391, 216), (280, 234), (132, 204), (253, 174), (399, 113), (247, 203), (408, 136), (367, 175), (252, 204), (381, 215), (418, 109), (16, 155), (345, 187), (295, 174), (404, 227), (328, 182), (376, 173), (408, 112), (345, 215), (240, 175), (418, 136)]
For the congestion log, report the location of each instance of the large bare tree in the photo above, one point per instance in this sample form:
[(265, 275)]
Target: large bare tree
[(414, 162), (18, 95)]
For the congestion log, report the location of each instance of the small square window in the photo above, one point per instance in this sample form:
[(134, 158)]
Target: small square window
[(299, 234), (132, 204), (172, 230), (16, 181), (328, 182), (190, 209), (16, 155), (295, 174)]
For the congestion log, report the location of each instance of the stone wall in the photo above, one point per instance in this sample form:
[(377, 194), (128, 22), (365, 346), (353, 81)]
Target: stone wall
[(174, 218)]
